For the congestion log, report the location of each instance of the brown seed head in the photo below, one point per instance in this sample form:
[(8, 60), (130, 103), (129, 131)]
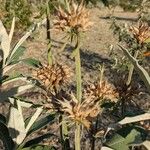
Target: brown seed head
[(74, 17), (141, 32), (80, 112), (102, 90), (53, 76)]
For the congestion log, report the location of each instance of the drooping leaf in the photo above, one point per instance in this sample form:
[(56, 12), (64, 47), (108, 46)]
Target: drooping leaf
[(9, 79), (126, 136), (5, 137), (17, 54), (12, 30), (37, 140), (34, 118), (32, 62), (5, 42), (127, 120), (41, 123), (16, 122), (23, 39), (2, 119), (141, 71)]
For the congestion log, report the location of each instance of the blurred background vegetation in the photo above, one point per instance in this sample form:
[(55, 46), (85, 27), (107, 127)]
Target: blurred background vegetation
[(28, 11)]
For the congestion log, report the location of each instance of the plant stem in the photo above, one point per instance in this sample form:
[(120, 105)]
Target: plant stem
[(78, 71), (79, 90), (49, 45), (77, 137), (64, 134)]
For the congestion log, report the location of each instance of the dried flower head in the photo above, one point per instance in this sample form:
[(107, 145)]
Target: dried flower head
[(102, 90), (52, 76), (80, 112), (141, 32), (75, 16)]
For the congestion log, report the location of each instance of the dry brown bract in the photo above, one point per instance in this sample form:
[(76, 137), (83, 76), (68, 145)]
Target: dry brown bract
[(102, 90), (141, 33), (74, 17), (80, 113), (52, 76)]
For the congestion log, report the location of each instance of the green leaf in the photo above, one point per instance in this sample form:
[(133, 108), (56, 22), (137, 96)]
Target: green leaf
[(2, 119), (41, 123), (32, 62), (126, 136), (37, 140), (4, 42), (17, 54), (141, 71), (5, 137), (39, 147), (16, 122), (23, 39)]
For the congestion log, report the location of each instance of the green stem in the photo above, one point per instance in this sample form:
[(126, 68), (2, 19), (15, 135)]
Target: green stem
[(49, 45), (78, 72), (77, 137), (64, 134), (79, 90)]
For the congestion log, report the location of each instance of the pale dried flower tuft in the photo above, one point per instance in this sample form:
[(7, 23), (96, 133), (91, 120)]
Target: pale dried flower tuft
[(141, 32), (75, 17), (53, 76), (80, 112), (102, 90)]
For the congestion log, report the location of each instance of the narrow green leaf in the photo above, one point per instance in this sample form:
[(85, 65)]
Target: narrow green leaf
[(34, 118), (2, 119), (32, 62), (16, 122), (12, 29), (141, 71), (41, 123), (5, 137), (37, 140), (126, 136), (17, 54), (27, 34), (5, 42)]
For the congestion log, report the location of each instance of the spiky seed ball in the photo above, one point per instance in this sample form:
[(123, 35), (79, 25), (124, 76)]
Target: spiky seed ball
[(53, 76), (76, 16), (102, 90), (80, 112), (141, 32)]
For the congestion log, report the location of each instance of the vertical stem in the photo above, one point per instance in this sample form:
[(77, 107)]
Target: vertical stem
[(64, 134), (49, 55), (78, 71), (77, 137), (79, 90)]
